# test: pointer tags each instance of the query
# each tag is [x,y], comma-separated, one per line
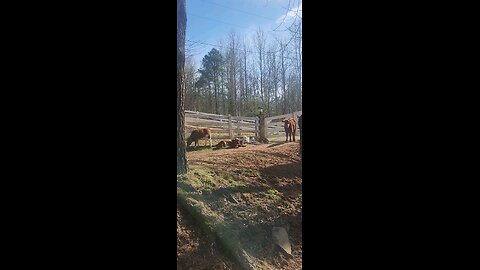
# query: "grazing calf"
[197,134]
[290,126]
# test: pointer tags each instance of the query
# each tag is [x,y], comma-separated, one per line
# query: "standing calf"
[290,126]
[198,134]
[301,133]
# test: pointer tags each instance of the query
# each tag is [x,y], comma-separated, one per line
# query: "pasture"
[230,201]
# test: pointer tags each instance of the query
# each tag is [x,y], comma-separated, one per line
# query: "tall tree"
[232,67]
[283,75]
[212,70]
[260,42]
[190,92]
[182,166]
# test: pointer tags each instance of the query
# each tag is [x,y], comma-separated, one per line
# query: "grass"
[205,179]
[236,207]
[227,234]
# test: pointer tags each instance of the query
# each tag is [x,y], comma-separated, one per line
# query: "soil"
[195,250]
[270,196]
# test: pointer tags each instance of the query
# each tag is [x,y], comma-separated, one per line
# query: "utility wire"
[208,18]
[239,10]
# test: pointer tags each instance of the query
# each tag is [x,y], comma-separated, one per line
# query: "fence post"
[230,132]
[257,128]
[263,128]
[238,130]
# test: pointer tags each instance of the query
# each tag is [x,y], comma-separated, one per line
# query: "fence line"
[227,127]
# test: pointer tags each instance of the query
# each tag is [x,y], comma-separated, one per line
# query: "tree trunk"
[182,165]
[215,83]
[284,88]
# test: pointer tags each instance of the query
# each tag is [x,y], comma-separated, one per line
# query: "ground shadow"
[193,257]
[289,170]
[276,144]
[198,148]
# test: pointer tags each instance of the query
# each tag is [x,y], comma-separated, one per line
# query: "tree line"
[242,75]
[239,78]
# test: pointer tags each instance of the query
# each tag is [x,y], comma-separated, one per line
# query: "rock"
[232,199]
[280,237]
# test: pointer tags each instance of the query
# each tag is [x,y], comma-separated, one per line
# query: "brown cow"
[290,126]
[221,144]
[198,134]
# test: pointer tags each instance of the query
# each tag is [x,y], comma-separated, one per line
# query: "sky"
[209,21]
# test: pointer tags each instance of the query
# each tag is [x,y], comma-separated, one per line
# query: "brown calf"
[198,134]
[290,126]
[235,143]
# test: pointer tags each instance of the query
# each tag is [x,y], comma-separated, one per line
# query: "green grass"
[202,178]
[210,221]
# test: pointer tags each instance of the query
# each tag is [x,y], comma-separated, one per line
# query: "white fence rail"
[275,125]
[222,126]
[227,127]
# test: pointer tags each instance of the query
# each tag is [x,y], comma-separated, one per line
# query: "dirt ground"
[195,250]
[268,194]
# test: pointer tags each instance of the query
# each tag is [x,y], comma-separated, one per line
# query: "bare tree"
[260,43]
[190,91]
[283,74]
[232,70]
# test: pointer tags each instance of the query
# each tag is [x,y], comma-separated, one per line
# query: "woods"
[243,73]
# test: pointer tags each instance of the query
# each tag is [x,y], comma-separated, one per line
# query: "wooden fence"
[227,127]
[223,126]
[275,125]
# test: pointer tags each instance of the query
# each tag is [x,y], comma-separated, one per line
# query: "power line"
[284,17]
[203,17]
[235,25]
[239,10]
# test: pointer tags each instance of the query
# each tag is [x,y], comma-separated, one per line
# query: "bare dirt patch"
[195,250]
[254,189]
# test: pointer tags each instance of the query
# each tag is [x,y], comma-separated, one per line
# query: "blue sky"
[209,21]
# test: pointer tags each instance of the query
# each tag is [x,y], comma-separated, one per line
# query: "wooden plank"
[244,118]
[243,122]
[283,116]
[244,130]
[280,124]
[221,131]
[218,118]
[212,114]
[205,123]
[234,131]
[192,121]
[203,115]
[206,116]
